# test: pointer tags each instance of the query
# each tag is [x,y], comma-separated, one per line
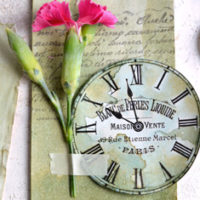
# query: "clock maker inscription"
[149,123]
[145,116]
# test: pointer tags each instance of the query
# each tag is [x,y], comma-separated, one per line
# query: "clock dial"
[145,117]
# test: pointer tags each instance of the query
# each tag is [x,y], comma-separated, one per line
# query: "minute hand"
[118,115]
[130,94]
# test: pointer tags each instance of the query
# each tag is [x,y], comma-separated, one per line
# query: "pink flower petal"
[39,24]
[53,14]
[92,13]
[108,19]
[65,13]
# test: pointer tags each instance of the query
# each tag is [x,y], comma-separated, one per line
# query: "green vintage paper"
[145,29]
[9,80]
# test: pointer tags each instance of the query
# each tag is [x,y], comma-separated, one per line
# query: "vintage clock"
[145,116]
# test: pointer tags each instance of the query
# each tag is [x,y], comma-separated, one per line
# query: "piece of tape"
[83,164]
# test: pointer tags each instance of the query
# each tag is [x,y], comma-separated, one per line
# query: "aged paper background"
[145,29]
[9,80]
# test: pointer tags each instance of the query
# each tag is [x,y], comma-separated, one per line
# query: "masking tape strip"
[83,164]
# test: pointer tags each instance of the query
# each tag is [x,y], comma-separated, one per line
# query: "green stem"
[67,128]
[69,111]
[71,177]
[56,104]
[70,135]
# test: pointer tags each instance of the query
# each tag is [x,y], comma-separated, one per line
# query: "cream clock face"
[145,117]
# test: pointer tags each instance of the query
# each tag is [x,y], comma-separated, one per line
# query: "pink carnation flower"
[57,13]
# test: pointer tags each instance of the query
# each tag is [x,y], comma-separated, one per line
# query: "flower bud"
[88,33]
[72,60]
[25,57]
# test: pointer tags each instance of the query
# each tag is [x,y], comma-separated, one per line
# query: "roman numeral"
[161,80]
[180,96]
[166,173]
[91,128]
[109,80]
[112,172]
[187,122]
[137,74]
[138,179]
[96,149]
[85,98]
[182,150]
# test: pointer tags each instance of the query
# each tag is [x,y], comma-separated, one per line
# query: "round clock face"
[145,117]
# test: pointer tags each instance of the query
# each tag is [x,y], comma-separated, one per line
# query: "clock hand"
[137,126]
[118,115]
[130,94]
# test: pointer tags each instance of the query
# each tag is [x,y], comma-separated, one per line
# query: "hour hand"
[118,115]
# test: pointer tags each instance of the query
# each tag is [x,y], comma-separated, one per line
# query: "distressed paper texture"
[9,80]
[145,29]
